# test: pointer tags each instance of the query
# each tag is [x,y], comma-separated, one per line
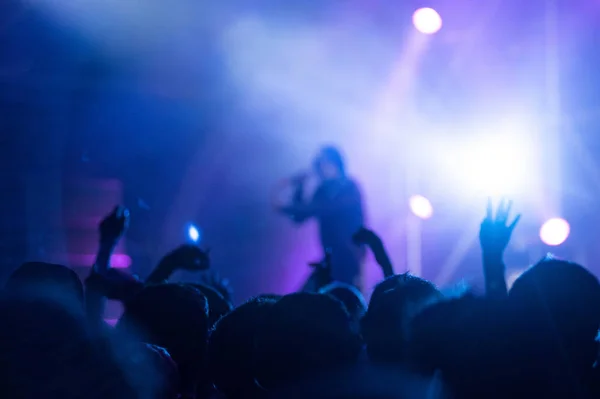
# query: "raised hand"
[494,237]
[114,225]
[111,229]
[496,231]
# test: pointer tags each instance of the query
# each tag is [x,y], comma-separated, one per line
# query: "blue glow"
[194,233]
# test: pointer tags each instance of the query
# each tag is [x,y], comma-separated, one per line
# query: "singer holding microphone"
[336,204]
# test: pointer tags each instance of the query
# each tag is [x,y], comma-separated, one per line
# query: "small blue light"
[194,233]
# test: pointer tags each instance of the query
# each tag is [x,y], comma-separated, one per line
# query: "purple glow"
[111,322]
[421,206]
[555,231]
[427,21]
[118,261]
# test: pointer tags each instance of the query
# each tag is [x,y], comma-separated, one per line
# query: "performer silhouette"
[337,206]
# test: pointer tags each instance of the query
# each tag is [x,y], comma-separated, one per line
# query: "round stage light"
[427,21]
[421,206]
[555,231]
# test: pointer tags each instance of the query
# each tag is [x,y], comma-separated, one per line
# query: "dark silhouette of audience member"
[152,369]
[304,335]
[350,296]
[464,341]
[48,279]
[174,317]
[231,350]
[221,285]
[556,307]
[395,302]
[366,382]
[217,305]
[537,340]
[46,351]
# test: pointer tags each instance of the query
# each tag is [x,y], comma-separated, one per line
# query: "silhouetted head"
[47,279]
[48,351]
[304,335]
[562,299]
[329,163]
[231,349]
[400,280]
[394,303]
[174,317]
[217,305]
[273,297]
[350,296]
[465,341]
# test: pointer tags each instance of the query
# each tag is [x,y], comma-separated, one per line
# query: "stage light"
[421,206]
[555,231]
[193,233]
[427,21]
[489,165]
[485,171]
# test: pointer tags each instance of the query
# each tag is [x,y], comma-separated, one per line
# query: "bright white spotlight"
[193,234]
[421,206]
[427,21]
[487,172]
[491,165]
[555,231]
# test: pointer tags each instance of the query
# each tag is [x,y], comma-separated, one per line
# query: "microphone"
[294,182]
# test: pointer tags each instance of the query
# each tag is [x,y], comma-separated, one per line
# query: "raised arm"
[186,257]
[326,200]
[374,242]
[111,230]
[299,210]
[494,237]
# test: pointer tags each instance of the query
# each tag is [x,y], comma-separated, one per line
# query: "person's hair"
[174,317]
[393,305]
[273,297]
[350,296]
[41,278]
[231,348]
[218,306]
[304,334]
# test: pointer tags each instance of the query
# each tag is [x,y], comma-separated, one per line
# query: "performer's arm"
[300,211]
